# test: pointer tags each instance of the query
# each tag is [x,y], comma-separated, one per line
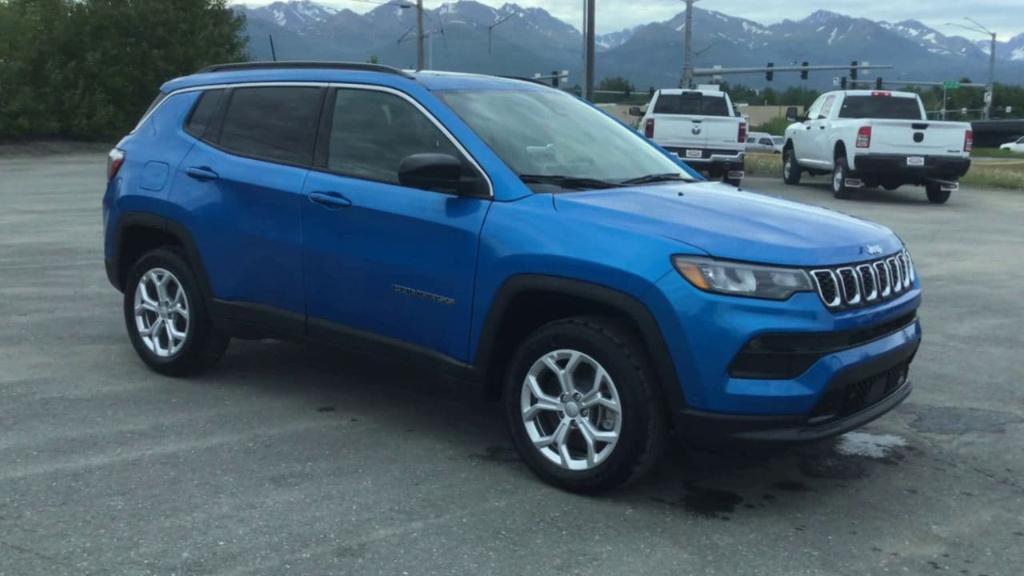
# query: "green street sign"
[950,84]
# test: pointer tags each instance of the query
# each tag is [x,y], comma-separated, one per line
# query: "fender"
[626,304]
[129,220]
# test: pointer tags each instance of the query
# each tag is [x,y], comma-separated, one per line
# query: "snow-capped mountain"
[511,39]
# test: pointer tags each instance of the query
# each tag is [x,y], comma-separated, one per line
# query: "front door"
[381,258]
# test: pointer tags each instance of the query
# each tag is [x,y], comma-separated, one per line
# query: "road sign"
[950,84]
[835,80]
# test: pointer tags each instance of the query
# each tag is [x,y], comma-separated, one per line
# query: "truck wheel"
[582,406]
[166,316]
[790,167]
[936,195]
[839,174]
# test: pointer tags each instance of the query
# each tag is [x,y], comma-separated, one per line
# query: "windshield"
[884,107]
[550,133]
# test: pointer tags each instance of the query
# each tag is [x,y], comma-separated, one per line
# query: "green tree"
[616,84]
[89,68]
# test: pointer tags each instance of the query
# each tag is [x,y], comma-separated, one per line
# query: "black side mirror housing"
[792,115]
[636,111]
[438,173]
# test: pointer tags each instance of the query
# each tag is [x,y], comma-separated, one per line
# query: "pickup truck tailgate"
[911,136]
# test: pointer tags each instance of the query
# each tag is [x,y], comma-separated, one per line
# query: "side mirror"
[792,115]
[431,171]
[636,111]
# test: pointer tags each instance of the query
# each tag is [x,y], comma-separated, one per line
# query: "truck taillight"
[968,140]
[114,161]
[649,128]
[864,137]
[741,137]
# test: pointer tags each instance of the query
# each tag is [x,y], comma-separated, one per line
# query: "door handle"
[330,200]
[201,173]
[807,127]
[822,127]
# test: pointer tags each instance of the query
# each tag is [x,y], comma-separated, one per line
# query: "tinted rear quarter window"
[203,112]
[693,103]
[276,123]
[885,107]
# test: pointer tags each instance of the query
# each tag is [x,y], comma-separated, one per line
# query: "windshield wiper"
[568,181]
[650,178]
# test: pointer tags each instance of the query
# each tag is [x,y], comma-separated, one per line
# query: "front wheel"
[790,167]
[936,194]
[581,405]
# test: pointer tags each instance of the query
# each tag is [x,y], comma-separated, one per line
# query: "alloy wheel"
[161,312]
[571,410]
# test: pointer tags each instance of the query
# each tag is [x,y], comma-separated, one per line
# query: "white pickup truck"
[870,138]
[701,127]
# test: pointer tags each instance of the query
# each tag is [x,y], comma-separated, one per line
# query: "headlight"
[740,279]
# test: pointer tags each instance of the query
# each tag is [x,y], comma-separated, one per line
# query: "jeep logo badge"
[873,249]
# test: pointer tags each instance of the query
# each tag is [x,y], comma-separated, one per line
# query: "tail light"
[114,161]
[864,137]
[968,140]
[649,128]
[741,136]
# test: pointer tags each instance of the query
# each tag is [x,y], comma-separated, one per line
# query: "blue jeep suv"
[512,235]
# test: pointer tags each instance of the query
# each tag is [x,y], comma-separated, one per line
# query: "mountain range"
[519,41]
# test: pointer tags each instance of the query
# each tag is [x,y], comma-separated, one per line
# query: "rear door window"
[885,107]
[275,123]
[692,103]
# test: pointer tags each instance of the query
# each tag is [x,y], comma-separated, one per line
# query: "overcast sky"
[1003,16]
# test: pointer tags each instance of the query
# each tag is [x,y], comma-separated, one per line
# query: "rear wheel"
[581,405]
[839,174]
[167,318]
[936,195]
[790,167]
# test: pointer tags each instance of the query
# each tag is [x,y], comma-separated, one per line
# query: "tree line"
[88,69]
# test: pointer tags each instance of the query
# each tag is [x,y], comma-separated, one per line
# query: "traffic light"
[803,73]
[853,70]
[878,83]
[770,74]
[842,83]
[554,78]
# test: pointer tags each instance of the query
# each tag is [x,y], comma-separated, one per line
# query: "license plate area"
[694,153]
[915,160]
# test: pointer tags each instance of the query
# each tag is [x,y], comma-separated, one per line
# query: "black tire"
[791,170]
[203,345]
[643,424]
[936,195]
[839,174]
[732,182]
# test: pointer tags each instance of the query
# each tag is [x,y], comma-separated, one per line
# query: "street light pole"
[977,27]
[419,34]
[688,46]
[589,25]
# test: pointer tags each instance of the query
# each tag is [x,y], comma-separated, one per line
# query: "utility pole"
[419,34]
[273,52]
[589,25]
[688,46]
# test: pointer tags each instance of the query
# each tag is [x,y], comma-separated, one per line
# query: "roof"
[676,91]
[893,93]
[359,73]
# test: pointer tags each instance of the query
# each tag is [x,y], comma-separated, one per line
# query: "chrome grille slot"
[828,287]
[894,274]
[882,274]
[868,284]
[850,285]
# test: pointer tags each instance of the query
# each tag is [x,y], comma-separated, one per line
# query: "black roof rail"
[364,66]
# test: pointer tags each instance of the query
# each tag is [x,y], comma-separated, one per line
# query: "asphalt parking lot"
[286,460]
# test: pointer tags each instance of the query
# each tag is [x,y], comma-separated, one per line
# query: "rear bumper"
[709,156]
[880,384]
[938,167]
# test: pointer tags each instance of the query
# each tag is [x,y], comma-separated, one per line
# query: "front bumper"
[934,167]
[706,333]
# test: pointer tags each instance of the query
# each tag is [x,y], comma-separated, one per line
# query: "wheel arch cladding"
[526,302]
[140,232]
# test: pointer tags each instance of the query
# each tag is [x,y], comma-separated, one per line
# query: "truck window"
[886,107]
[693,103]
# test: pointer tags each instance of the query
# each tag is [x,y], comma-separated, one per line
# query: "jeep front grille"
[864,284]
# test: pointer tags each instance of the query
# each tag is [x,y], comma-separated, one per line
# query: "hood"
[731,224]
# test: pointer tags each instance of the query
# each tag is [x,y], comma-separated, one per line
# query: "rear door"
[382,258]
[240,188]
